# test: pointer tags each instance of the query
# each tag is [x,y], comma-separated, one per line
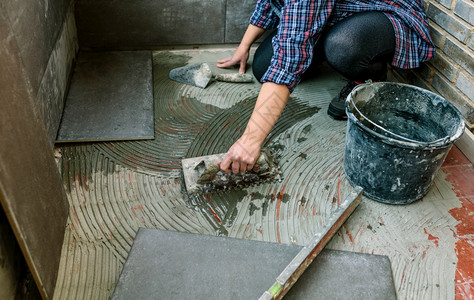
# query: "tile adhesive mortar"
[116,187]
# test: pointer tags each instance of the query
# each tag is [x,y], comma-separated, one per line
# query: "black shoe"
[336,108]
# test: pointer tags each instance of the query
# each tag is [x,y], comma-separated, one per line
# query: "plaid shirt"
[300,23]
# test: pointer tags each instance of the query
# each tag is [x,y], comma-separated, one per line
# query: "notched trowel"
[200,75]
[203,174]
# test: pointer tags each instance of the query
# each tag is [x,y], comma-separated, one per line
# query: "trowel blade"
[197,74]
[194,167]
[202,174]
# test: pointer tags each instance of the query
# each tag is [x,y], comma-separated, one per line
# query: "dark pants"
[359,47]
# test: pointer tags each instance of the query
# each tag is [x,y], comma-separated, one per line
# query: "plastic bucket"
[398,136]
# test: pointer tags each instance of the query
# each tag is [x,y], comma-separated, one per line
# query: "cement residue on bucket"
[397,138]
[408,112]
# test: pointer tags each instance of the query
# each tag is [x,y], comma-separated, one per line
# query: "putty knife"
[203,174]
[200,75]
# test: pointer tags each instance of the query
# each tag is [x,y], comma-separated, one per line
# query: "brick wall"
[451,72]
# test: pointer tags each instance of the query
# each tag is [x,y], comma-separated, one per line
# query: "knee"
[342,51]
[259,67]
[263,56]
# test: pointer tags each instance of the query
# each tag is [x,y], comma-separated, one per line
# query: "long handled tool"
[304,258]
[200,75]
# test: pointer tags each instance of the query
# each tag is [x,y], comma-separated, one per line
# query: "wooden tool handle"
[306,256]
[234,77]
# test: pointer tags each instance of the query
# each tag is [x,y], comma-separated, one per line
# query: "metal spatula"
[200,75]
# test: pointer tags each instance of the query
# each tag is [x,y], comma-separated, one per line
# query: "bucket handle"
[441,141]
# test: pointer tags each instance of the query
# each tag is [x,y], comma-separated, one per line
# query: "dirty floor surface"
[116,187]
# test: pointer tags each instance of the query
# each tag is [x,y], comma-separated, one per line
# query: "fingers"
[225,164]
[226,62]
[240,158]
[236,167]
[242,67]
[243,167]
[231,61]
[225,65]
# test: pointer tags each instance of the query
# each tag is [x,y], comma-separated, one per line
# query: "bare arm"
[243,154]
[242,53]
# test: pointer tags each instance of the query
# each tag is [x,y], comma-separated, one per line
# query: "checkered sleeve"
[300,26]
[263,15]
[413,43]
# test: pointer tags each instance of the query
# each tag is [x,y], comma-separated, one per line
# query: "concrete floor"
[116,187]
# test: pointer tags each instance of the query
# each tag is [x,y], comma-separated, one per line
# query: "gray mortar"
[116,188]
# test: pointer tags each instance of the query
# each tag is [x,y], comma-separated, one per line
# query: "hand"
[240,57]
[241,157]
[244,153]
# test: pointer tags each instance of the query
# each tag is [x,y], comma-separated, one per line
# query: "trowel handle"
[234,77]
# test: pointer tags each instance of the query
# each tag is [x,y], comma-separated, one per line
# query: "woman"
[356,37]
